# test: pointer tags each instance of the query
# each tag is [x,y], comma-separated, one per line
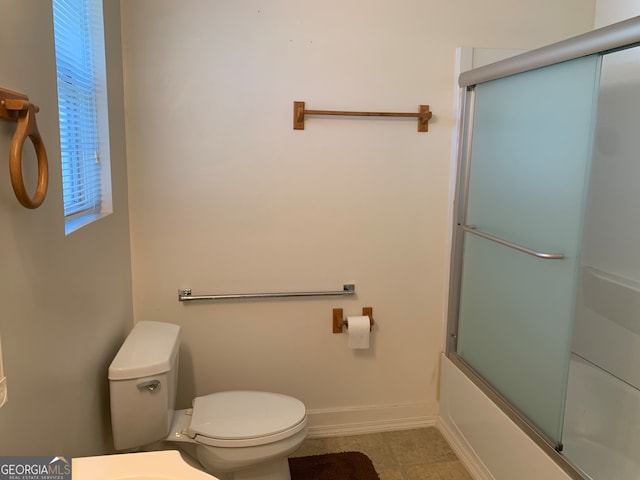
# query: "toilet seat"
[245,418]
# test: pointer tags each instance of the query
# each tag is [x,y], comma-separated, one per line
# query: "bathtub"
[601,431]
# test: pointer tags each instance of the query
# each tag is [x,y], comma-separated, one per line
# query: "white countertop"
[161,465]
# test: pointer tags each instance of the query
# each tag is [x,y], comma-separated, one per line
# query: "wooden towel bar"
[299,112]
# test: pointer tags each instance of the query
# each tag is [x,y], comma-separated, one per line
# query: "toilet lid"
[244,415]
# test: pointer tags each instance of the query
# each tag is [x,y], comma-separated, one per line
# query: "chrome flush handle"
[150,385]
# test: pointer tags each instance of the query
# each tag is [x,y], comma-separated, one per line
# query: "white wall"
[65,302]
[226,197]
[611,11]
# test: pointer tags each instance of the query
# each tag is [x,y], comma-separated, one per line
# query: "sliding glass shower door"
[520,211]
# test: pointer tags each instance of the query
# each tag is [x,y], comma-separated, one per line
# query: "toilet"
[236,435]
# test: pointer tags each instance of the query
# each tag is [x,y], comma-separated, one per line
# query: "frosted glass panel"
[602,421]
[530,156]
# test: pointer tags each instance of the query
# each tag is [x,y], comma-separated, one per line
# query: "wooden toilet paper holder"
[339,321]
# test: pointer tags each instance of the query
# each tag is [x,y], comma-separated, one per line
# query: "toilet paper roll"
[359,331]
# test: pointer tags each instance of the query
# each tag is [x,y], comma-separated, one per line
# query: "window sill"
[76,223]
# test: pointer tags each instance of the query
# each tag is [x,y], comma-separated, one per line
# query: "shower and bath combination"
[545,274]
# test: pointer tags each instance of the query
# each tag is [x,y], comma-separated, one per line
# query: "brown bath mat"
[333,466]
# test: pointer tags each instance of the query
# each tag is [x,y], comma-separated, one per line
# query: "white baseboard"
[370,419]
[467,456]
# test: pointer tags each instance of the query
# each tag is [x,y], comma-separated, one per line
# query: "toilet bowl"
[237,435]
[242,434]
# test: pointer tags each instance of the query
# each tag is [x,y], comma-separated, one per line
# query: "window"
[82,109]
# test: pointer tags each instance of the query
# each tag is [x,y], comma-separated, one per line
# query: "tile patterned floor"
[419,454]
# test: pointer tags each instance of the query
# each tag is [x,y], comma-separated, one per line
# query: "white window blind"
[80,65]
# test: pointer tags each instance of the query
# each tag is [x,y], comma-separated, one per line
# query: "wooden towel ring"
[18,108]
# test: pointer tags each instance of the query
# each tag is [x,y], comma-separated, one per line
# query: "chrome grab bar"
[543,255]
[185,295]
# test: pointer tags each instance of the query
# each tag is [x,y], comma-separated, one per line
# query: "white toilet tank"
[142,384]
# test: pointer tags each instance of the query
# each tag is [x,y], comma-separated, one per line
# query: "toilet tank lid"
[149,349]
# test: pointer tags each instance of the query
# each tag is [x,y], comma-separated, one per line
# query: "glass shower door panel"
[530,156]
